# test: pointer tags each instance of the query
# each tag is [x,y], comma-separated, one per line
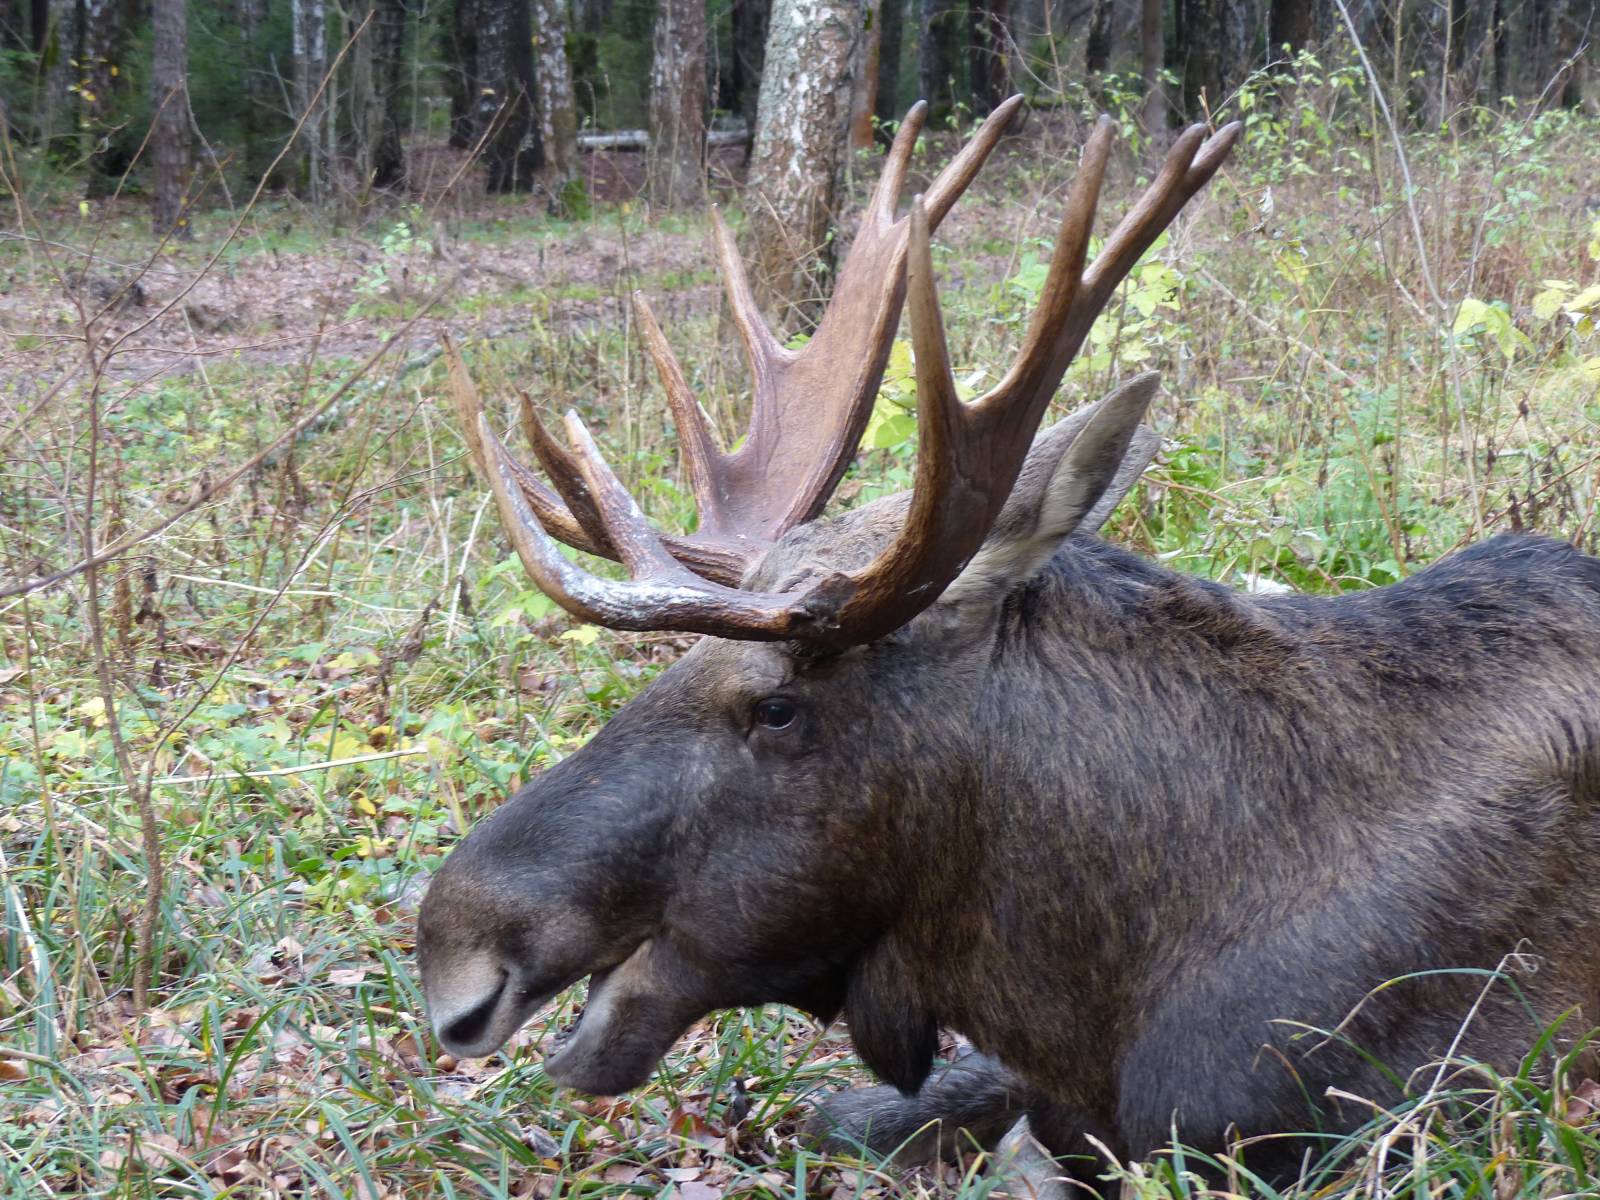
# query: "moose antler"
[809,411]
[809,405]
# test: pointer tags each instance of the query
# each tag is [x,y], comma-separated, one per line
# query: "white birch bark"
[558,111]
[801,128]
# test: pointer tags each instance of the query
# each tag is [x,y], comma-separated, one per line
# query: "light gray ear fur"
[1077,472]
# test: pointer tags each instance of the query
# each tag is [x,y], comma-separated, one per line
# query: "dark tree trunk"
[864,78]
[1290,25]
[377,89]
[990,53]
[1201,51]
[1574,22]
[506,119]
[101,71]
[38,24]
[937,63]
[1431,34]
[252,15]
[892,17]
[1152,52]
[389,46]
[13,29]
[678,103]
[749,52]
[169,102]
[1502,76]
[1537,53]
[1097,46]
[462,75]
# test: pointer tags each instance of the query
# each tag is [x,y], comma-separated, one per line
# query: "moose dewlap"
[948,760]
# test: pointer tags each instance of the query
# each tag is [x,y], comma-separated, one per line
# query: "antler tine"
[1063,283]
[696,443]
[886,196]
[555,515]
[693,605]
[908,575]
[762,349]
[630,532]
[568,479]
[958,175]
[969,455]
[1187,168]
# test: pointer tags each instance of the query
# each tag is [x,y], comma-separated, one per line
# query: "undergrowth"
[335,667]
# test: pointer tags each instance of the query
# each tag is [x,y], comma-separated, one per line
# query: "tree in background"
[678,103]
[1290,23]
[938,56]
[513,153]
[801,133]
[104,28]
[309,21]
[749,20]
[891,21]
[461,78]
[558,111]
[379,62]
[1152,51]
[169,97]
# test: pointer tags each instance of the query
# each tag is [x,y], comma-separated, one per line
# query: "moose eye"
[775,713]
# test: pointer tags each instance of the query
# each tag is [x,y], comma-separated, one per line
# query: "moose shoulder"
[948,760]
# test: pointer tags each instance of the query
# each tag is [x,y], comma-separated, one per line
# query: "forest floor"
[335,666]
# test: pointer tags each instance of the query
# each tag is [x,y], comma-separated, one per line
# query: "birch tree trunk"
[558,112]
[309,20]
[678,103]
[512,150]
[169,101]
[800,145]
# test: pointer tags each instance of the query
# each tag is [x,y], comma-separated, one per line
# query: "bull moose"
[1170,856]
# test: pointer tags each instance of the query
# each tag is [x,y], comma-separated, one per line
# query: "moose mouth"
[633,1014]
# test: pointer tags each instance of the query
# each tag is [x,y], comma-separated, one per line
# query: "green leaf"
[1472,312]
[1548,303]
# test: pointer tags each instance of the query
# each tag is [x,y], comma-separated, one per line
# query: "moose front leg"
[970,1103]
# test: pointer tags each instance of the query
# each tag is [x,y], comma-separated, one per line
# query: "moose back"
[948,760]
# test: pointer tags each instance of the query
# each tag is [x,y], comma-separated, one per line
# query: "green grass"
[1328,428]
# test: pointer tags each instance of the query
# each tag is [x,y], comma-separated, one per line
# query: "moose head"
[749,828]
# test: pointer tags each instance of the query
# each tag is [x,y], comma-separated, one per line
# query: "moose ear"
[1077,472]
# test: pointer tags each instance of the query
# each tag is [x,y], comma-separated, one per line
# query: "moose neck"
[1116,696]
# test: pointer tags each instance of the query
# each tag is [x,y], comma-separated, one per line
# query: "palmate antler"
[809,410]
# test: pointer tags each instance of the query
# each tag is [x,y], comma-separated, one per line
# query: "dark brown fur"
[1131,833]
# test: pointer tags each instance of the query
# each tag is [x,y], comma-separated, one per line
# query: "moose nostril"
[468,1028]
